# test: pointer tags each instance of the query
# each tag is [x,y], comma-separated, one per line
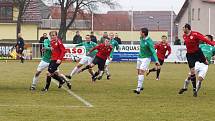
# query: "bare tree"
[78,5]
[22,5]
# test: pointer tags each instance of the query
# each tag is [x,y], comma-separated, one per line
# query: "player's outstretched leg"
[186,83]
[158,74]
[59,79]
[193,80]
[35,80]
[199,83]
[150,70]
[68,83]
[48,82]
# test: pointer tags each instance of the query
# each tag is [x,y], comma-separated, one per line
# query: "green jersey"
[47,53]
[114,45]
[88,46]
[147,49]
[208,51]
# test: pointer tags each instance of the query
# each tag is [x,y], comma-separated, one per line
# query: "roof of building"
[45,10]
[185,6]
[32,13]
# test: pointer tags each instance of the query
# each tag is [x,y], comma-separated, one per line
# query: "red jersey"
[192,41]
[58,50]
[103,51]
[161,50]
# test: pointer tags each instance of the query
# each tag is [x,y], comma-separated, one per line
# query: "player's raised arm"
[202,38]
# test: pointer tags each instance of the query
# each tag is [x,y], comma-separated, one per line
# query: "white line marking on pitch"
[65,106]
[75,95]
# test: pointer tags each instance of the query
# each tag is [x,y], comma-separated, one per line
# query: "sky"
[151,5]
[143,5]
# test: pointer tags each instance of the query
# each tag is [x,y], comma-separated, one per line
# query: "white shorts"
[201,69]
[43,65]
[143,63]
[108,61]
[86,60]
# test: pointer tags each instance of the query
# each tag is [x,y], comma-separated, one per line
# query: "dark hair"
[210,36]
[55,32]
[164,36]
[187,26]
[87,35]
[145,31]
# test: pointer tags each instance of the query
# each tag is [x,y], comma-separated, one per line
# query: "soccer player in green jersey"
[86,60]
[201,68]
[114,45]
[146,52]
[44,63]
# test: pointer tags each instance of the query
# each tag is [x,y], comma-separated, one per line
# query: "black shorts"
[20,50]
[100,62]
[160,61]
[192,58]
[53,66]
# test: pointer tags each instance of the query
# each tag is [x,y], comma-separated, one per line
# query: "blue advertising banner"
[127,53]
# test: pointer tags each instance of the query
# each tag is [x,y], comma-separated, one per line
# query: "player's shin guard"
[193,80]
[48,82]
[158,72]
[198,86]
[140,82]
[107,71]
[34,81]
[186,83]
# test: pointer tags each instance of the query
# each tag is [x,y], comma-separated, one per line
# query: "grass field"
[112,100]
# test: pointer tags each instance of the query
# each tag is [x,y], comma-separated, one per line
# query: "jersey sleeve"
[169,49]
[80,44]
[117,45]
[213,51]
[202,38]
[152,49]
[47,44]
[156,46]
[63,50]
[95,48]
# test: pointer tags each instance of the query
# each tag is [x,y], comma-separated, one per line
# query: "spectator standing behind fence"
[93,38]
[77,38]
[20,47]
[177,41]
[117,38]
[41,41]
[105,36]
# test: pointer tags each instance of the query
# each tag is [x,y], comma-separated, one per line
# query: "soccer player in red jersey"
[194,53]
[102,55]
[58,51]
[161,47]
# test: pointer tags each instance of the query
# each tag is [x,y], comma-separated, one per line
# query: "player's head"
[44,35]
[164,39]
[77,33]
[116,35]
[91,33]
[107,42]
[111,36]
[144,32]
[87,37]
[187,28]
[105,34]
[53,34]
[19,34]
[209,37]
